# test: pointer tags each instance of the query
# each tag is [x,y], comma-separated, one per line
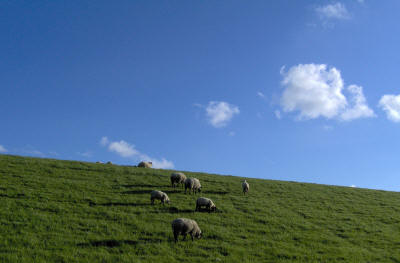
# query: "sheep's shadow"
[140,185]
[215,192]
[135,192]
[117,243]
[172,210]
[123,204]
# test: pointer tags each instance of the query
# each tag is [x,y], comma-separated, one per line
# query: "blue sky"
[288,90]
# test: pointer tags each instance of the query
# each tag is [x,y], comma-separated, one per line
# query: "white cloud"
[260,94]
[3,149]
[220,113]
[104,141]
[391,105]
[316,91]
[353,186]
[333,11]
[360,108]
[122,148]
[126,150]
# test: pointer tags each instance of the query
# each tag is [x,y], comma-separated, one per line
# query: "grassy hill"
[64,211]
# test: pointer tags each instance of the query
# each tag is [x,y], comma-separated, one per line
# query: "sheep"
[109,162]
[163,197]
[184,226]
[193,184]
[245,187]
[145,164]
[177,178]
[208,203]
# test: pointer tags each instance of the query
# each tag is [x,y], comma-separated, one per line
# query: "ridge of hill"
[71,211]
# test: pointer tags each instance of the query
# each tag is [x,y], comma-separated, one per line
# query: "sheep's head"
[199,235]
[214,208]
[199,189]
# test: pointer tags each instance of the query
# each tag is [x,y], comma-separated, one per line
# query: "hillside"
[65,211]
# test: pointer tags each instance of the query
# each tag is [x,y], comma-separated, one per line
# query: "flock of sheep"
[184,226]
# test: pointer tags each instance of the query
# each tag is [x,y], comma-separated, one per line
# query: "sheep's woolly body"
[193,184]
[163,197]
[177,178]
[184,226]
[208,203]
[145,164]
[245,187]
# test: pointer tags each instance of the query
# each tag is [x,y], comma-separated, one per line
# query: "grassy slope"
[64,211]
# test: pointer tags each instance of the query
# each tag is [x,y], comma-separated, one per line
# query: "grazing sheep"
[177,178]
[193,184]
[245,187]
[163,197]
[184,226]
[145,164]
[109,162]
[208,203]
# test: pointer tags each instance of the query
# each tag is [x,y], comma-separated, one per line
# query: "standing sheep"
[193,184]
[163,197]
[177,178]
[208,203]
[145,164]
[184,226]
[245,187]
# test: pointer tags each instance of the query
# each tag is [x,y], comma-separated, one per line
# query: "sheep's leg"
[192,237]
[197,208]
[152,201]
[176,236]
[184,237]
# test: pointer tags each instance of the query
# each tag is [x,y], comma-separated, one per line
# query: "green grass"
[64,211]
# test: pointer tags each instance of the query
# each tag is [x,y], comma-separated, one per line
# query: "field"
[68,211]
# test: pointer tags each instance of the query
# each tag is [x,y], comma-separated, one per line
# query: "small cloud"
[277,114]
[104,141]
[86,154]
[122,148]
[391,105]
[219,113]
[353,185]
[3,149]
[231,133]
[333,11]
[198,105]
[127,150]
[260,94]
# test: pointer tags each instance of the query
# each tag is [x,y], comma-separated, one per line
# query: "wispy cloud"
[127,150]
[219,113]
[231,133]
[314,90]
[3,149]
[391,105]
[333,11]
[260,94]
[86,154]
[277,114]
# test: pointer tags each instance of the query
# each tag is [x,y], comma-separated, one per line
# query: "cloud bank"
[314,90]
[127,150]
[3,149]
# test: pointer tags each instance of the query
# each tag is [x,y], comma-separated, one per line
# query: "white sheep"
[184,226]
[207,203]
[193,184]
[163,197]
[145,164]
[245,187]
[177,178]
